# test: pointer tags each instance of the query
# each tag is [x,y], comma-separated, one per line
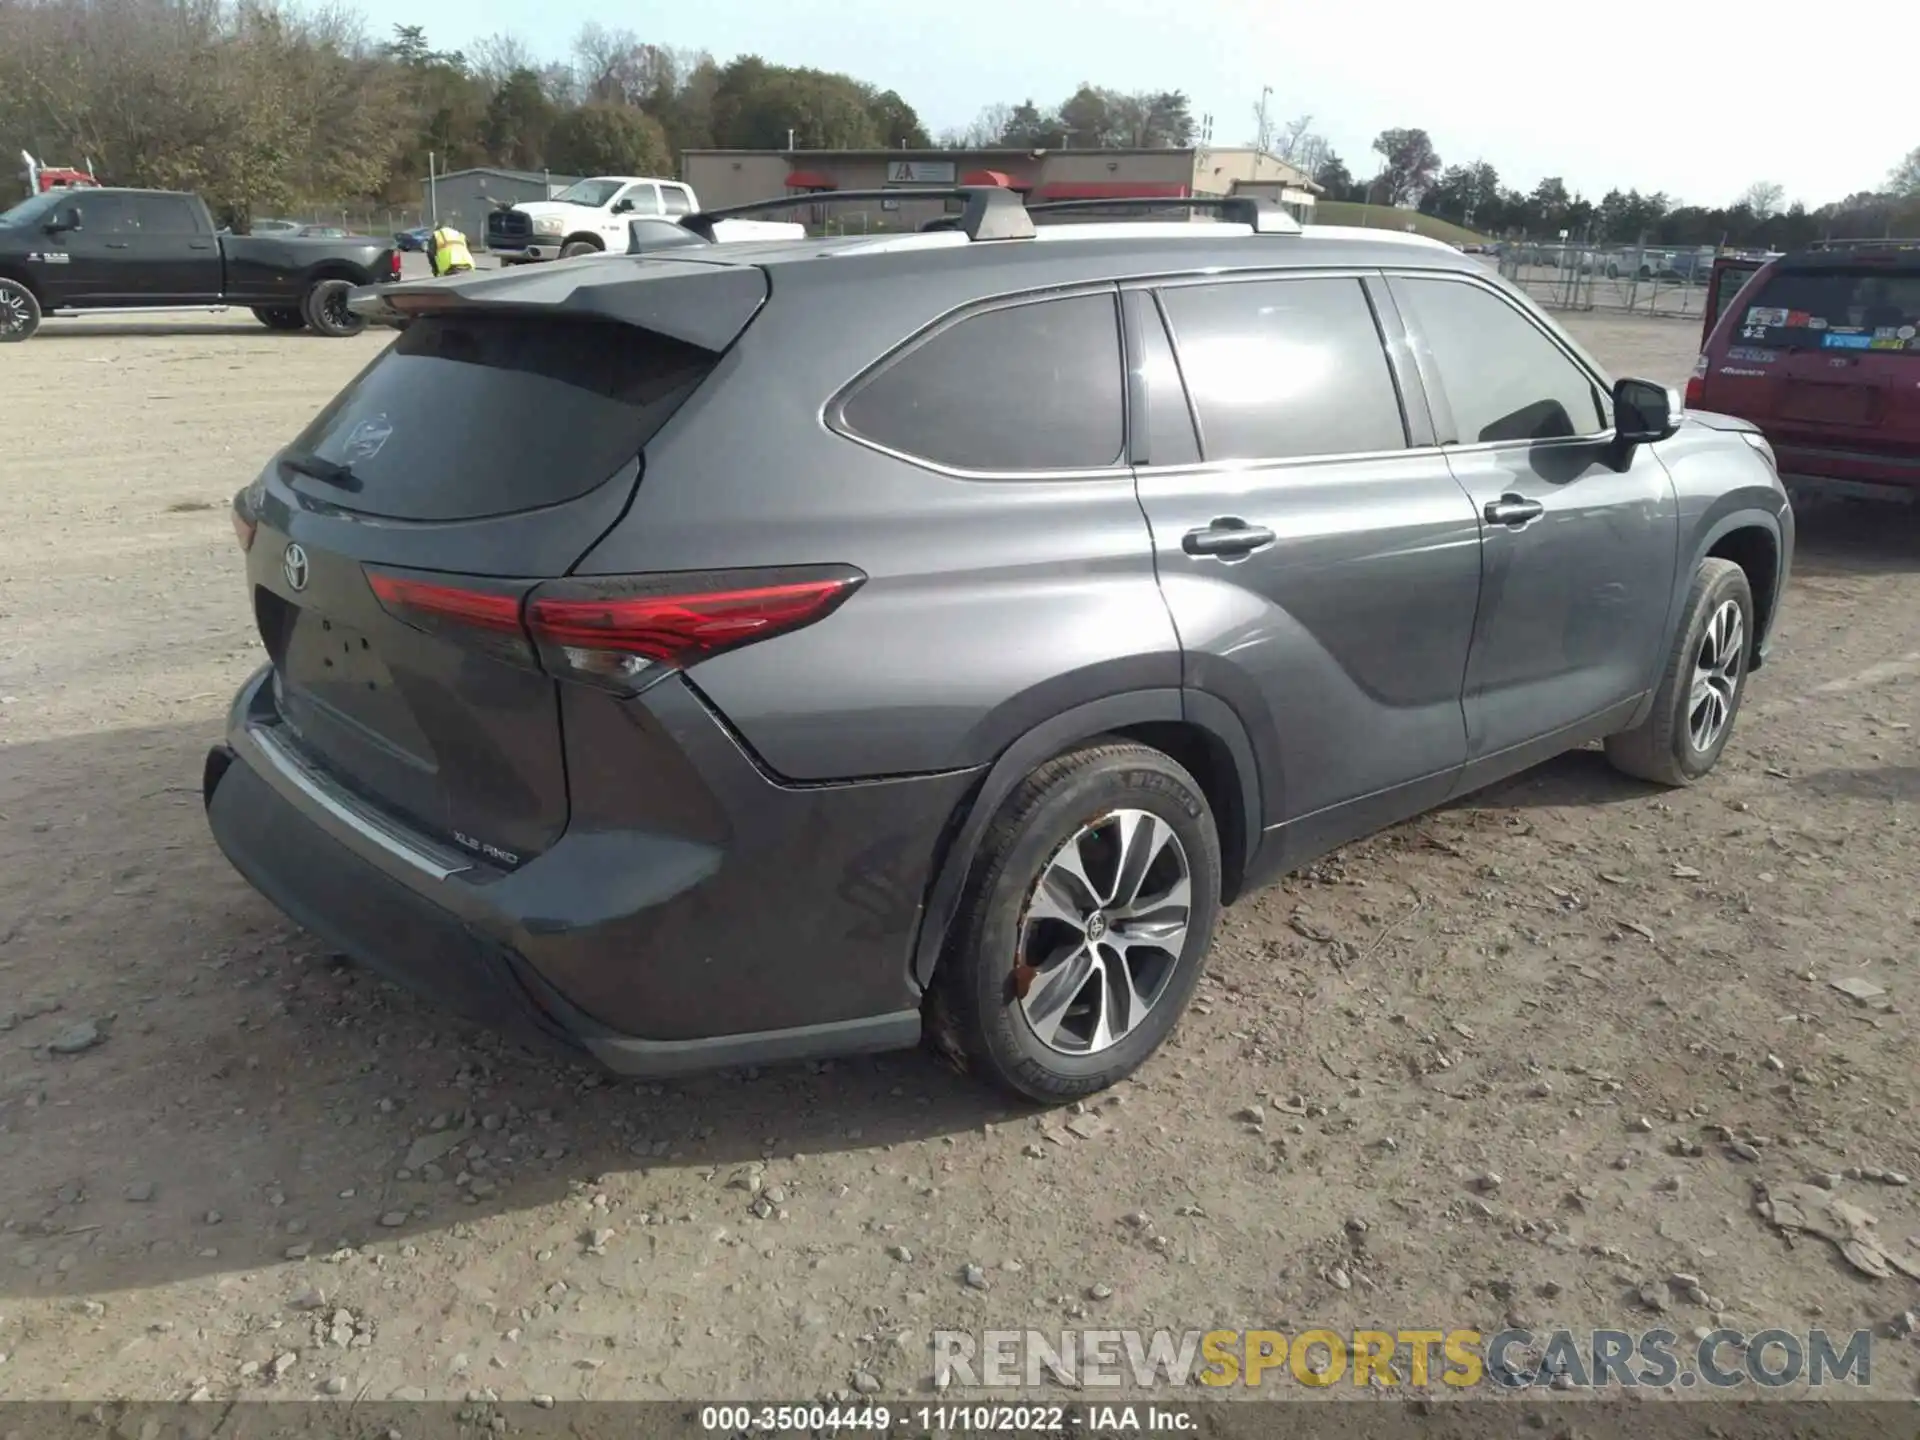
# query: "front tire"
[324,307]
[1085,925]
[279,318]
[19,312]
[1701,687]
[579,247]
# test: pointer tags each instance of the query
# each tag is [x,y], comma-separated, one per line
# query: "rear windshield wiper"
[329,472]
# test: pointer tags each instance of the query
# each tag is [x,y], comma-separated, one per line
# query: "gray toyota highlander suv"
[737,652]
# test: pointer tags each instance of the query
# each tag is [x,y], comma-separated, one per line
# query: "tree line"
[1410,174]
[265,105]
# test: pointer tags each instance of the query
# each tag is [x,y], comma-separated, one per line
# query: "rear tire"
[1052,990]
[1701,687]
[19,312]
[280,318]
[324,308]
[580,247]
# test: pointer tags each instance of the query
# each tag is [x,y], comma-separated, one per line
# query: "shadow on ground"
[250,1097]
[65,328]
[1855,537]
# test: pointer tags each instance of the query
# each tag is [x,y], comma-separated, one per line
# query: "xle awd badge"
[294,565]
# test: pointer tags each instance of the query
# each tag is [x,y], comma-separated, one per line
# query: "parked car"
[586,218]
[414,239]
[1821,350]
[767,650]
[1642,264]
[272,227]
[94,250]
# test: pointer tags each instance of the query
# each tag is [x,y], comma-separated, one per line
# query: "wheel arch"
[333,270]
[1199,731]
[20,277]
[1751,540]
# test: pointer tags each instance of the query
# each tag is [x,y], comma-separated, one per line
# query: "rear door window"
[640,200]
[1280,369]
[470,416]
[1835,308]
[1032,386]
[162,215]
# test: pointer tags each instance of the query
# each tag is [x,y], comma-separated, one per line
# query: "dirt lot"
[1566,984]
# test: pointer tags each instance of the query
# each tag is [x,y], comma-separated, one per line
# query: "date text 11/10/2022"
[955,1419]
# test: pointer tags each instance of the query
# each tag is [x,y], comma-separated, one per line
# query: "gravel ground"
[1468,1072]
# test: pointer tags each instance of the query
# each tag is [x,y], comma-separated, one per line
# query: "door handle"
[116,244]
[199,244]
[1227,538]
[1515,510]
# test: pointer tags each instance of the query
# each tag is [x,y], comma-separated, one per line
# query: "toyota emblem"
[294,564]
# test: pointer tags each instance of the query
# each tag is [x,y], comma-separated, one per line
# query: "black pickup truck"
[94,250]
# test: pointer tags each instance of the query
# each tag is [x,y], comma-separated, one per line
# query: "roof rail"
[992,212]
[1256,212]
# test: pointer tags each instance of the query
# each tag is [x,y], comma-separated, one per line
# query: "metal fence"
[1630,279]
[378,221]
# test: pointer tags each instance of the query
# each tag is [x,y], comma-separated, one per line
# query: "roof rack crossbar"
[1256,212]
[992,212]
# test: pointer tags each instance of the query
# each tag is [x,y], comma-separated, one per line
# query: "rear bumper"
[642,949]
[1843,470]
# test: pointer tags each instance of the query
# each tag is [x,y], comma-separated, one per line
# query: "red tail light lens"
[393,264]
[617,631]
[243,528]
[487,619]
[620,631]
[1697,383]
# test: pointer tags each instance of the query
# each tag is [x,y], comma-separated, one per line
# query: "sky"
[1603,95]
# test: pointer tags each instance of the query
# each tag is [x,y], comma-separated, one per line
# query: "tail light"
[245,513]
[393,264]
[618,632]
[1697,383]
[477,614]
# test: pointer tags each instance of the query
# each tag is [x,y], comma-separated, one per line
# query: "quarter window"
[1501,375]
[1285,368]
[1034,386]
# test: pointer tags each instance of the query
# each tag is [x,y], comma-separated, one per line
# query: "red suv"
[1821,350]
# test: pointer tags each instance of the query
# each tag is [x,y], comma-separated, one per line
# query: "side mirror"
[621,207]
[1643,412]
[67,219]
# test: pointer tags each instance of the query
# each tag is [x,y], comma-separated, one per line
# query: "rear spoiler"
[706,306]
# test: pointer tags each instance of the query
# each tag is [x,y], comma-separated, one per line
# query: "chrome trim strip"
[346,811]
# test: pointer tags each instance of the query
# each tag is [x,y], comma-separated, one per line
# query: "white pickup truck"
[593,216]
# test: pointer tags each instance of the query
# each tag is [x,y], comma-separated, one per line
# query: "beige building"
[733,177]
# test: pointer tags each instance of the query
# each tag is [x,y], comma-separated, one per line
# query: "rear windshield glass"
[470,416]
[1836,309]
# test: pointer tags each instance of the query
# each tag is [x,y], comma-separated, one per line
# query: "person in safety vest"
[447,251]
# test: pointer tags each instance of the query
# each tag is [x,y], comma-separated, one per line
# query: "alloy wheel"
[13,312]
[1103,932]
[333,304]
[1716,676]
